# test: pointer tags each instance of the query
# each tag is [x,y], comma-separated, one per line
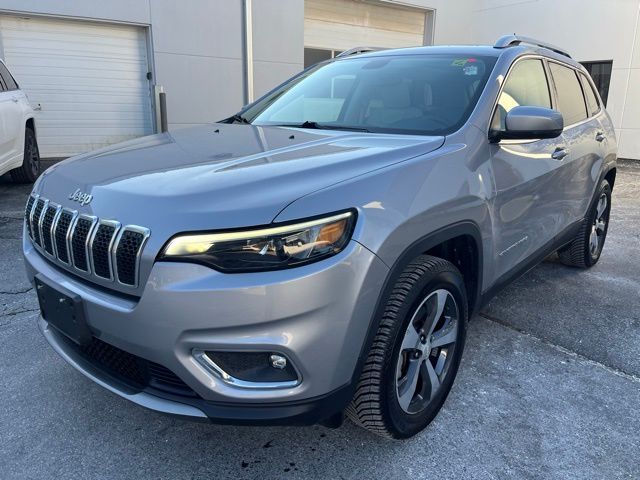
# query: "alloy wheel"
[599,227]
[32,155]
[427,350]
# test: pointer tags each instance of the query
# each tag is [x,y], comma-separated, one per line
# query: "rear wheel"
[416,351]
[585,250]
[30,169]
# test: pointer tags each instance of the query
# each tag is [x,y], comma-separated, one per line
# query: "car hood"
[219,176]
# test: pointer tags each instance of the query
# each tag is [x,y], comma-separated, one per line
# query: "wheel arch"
[31,123]
[610,176]
[446,241]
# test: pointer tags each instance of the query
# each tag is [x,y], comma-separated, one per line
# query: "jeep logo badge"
[80,197]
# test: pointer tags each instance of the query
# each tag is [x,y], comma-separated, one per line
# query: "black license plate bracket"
[63,310]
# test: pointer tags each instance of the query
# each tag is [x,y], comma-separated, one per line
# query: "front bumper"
[317,315]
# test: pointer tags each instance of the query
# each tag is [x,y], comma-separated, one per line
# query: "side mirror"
[530,123]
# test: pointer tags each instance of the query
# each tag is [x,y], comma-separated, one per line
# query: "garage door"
[338,25]
[89,79]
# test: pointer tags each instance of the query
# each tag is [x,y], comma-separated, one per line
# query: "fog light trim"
[211,367]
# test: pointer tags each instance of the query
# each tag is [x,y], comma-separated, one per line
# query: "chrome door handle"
[559,153]
[600,137]
[14,99]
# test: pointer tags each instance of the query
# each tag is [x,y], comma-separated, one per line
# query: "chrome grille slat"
[61,236]
[101,244]
[91,247]
[31,212]
[80,235]
[27,214]
[35,220]
[48,216]
[130,241]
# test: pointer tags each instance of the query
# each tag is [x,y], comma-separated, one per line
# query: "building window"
[601,74]
[316,55]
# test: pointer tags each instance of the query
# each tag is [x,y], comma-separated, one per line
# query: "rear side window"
[570,100]
[7,79]
[526,85]
[592,101]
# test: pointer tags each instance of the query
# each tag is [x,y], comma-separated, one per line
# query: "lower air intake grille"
[115,361]
[132,369]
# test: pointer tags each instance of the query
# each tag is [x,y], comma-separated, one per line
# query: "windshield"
[416,94]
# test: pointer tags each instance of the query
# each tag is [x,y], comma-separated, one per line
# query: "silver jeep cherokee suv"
[321,252]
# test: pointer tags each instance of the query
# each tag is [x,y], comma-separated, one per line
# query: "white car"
[18,146]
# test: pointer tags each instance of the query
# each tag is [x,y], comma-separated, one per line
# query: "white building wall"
[198,51]
[197,46]
[452,19]
[278,42]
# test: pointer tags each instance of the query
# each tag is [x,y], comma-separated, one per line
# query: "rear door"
[581,133]
[529,208]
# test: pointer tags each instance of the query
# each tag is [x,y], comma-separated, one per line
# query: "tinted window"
[570,100]
[526,85]
[432,95]
[592,102]
[7,78]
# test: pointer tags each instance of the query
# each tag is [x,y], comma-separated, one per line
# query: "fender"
[420,246]
[603,174]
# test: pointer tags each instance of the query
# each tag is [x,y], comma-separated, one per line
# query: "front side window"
[570,100]
[421,94]
[526,85]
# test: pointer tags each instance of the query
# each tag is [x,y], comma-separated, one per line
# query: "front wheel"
[585,249]
[416,351]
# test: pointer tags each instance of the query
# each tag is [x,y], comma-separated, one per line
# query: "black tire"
[30,169]
[579,253]
[376,403]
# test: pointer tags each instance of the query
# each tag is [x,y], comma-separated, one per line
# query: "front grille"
[35,221]
[60,235]
[126,254]
[27,214]
[133,370]
[79,238]
[102,249]
[47,222]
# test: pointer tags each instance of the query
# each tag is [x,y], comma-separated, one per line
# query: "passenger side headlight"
[265,248]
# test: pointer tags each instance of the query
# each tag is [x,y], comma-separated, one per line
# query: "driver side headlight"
[265,248]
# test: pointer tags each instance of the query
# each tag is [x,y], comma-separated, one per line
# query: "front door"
[530,206]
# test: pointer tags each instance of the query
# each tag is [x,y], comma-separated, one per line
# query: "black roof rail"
[511,40]
[356,51]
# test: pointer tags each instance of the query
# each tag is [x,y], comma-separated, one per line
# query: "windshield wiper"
[325,126]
